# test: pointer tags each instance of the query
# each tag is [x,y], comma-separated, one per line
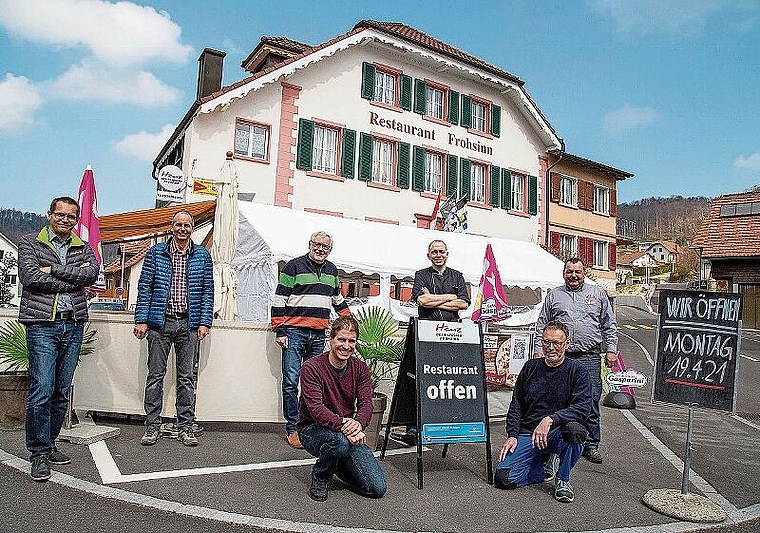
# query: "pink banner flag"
[491,302]
[88,227]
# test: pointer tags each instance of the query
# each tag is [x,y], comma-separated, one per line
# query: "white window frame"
[478,183]
[518,192]
[601,200]
[433,172]
[568,246]
[385,87]
[324,156]
[253,131]
[383,162]
[435,99]
[568,191]
[480,112]
[601,254]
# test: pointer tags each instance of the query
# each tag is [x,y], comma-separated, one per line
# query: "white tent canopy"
[269,234]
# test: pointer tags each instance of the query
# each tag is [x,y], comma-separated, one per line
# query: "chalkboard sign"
[698,339]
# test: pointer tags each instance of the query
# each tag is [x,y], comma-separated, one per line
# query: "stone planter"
[379,404]
[13,389]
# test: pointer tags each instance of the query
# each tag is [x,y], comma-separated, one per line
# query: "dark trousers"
[593,363]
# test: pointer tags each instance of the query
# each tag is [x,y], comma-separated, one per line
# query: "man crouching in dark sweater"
[335,407]
[550,403]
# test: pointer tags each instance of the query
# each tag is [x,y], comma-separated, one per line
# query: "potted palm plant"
[382,352]
[14,377]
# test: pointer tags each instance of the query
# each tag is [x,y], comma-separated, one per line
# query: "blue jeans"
[186,344]
[525,465]
[355,465]
[593,363]
[53,355]
[303,344]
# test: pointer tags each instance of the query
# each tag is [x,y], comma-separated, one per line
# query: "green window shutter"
[348,153]
[406,92]
[305,142]
[453,107]
[466,120]
[451,175]
[464,188]
[418,168]
[495,120]
[532,195]
[506,189]
[365,157]
[402,178]
[420,96]
[368,80]
[495,181]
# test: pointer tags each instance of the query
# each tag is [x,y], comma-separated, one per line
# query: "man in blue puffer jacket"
[175,305]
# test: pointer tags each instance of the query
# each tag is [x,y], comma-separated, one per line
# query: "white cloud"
[143,145]
[120,33]
[673,17]
[95,82]
[19,99]
[628,118]
[751,162]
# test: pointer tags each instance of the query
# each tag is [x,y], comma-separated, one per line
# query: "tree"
[7,263]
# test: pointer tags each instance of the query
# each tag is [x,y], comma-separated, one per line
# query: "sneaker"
[563,491]
[57,457]
[151,436]
[40,470]
[187,437]
[171,431]
[294,441]
[318,489]
[409,438]
[593,455]
[550,468]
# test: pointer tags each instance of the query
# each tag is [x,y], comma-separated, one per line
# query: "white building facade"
[372,125]
[7,248]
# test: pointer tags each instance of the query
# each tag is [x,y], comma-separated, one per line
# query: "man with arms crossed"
[175,306]
[551,400]
[587,312]
[307,291]
[334,409]
[54,268]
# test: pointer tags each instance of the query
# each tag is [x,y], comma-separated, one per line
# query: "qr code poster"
[519,353]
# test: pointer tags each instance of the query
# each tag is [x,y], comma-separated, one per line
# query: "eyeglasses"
[179,225]
[64,216]
[320,246]
[553,344]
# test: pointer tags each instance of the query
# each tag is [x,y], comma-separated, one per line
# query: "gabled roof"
[627,258]
[151,221]
[730,236]
[566,157]
[282,47]
[7,240]
[133,252]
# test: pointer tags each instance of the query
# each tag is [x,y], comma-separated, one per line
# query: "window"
[383,161]
[435,105]
[385,87]
[252,140]
[325,150]
[478,183]
[433,172]
[2,253]
[601,200]
[518,192]
[568,192]
[11,279]
[479,114]
[568,246]
[600,254]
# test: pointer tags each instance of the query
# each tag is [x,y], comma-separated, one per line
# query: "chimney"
[209,72]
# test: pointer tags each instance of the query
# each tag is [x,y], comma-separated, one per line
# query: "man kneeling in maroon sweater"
[334,408]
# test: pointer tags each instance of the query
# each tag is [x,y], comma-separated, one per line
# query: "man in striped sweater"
[308,289]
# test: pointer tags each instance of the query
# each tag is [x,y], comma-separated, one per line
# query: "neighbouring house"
[376,124]
[728,241]
[663,251]
[581,214]
[11,276]
[627,260]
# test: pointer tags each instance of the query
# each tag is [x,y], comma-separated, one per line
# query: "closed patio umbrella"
[225,241]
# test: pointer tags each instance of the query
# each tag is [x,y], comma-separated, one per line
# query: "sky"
[665,89]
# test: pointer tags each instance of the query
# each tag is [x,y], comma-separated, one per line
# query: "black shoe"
[187,437]
[318,489]
[592,455]
[40,468]
[407,439]
[57,457]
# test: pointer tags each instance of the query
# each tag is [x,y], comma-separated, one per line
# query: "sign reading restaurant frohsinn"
[698,341]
